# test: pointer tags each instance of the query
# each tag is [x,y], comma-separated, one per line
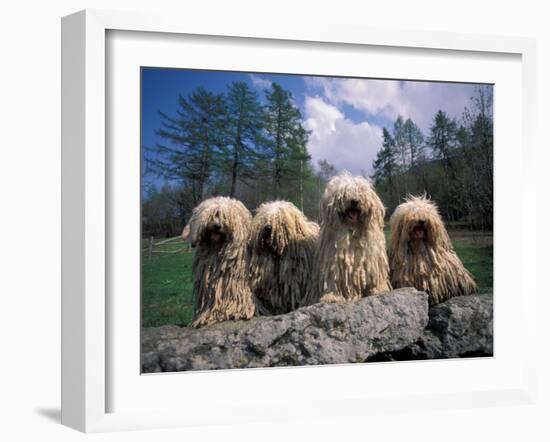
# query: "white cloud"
[347,145]
[259,82]
[373,96]
[421,100]
[389,98]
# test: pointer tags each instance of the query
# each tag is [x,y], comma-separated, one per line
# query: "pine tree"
[245,124]
[413,141]
[442,139]
[399,139]
[299,167]
[284,150]
[444,145]
[195,136]
[476,143]
[481,129]
[385,164]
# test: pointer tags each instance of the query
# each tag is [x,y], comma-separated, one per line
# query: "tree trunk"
[302,185]
[204,165]
[238,146]
[278,144]
[235,167]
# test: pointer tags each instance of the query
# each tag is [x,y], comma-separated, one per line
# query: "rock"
[460,327]
[389,327]
[318,334]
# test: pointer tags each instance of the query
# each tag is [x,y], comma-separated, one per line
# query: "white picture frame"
[86,315]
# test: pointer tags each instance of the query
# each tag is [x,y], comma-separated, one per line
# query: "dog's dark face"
[416,227]
[218,222]
[277,225]
[266,237]
[353,213]
[273,241]
[216,233]
[421,227]
[351,203]
[419,233]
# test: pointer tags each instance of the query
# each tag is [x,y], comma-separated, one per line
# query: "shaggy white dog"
[219,228]
[350,259]
[281,245]
[421,253]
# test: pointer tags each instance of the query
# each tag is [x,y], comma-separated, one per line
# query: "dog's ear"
[186,232]
[378,212]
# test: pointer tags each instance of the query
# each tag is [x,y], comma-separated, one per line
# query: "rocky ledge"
[397,325]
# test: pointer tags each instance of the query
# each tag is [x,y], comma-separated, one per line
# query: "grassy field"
[475,249]
[167,280]
[167,287]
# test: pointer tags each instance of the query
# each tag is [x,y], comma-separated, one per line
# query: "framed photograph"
[250,213]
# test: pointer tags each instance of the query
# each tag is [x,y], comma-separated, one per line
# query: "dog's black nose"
[354,203]
[421,222]
[267,229]
[216,227]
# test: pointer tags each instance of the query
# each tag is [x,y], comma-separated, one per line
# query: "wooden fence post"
[150,247]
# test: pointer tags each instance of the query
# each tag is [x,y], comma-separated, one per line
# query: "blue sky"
[345,116]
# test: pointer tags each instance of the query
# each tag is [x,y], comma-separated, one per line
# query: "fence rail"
[155,247]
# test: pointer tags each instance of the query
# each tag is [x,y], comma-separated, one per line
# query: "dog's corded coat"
[281,245]
[350,258]
[421,253]
[219,228]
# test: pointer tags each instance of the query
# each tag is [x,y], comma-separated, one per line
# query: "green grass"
[167,279]
[167,287]
[476,252]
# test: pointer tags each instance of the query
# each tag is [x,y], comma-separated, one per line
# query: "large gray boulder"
[392,326]
[461,327]
[318,334]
